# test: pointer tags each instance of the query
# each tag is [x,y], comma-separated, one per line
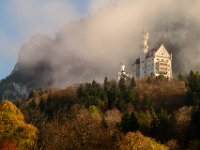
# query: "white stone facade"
[157,61]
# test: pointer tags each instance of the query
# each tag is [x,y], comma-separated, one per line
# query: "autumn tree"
[182,122]
[13,130]
[137,141]
[84,131]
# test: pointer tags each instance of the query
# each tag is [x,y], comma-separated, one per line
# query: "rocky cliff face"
[22,80]
[30,72]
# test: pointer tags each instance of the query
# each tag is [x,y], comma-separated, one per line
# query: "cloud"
[94,5]
[93,47]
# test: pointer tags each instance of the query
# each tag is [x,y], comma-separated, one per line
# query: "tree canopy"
[13,128]
[135,140]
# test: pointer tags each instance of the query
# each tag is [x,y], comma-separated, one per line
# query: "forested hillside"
[153,113]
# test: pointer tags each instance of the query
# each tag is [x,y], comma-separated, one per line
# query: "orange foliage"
[57,94]
[162,92]
[7,145]
[14,128]
[137,141]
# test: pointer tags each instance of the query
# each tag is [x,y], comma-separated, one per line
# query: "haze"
[93,47]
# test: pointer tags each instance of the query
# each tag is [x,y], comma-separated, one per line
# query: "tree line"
[112,115]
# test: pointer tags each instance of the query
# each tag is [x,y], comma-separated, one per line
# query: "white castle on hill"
[157,61]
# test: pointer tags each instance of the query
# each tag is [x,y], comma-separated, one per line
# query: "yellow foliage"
[137,141]
[14,128]
[94,111]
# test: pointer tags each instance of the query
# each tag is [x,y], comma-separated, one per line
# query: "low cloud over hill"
[93,47]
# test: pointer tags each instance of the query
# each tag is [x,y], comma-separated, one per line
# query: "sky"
[21,19]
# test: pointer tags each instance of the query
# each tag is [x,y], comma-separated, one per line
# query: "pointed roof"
[151,52]
[155,49]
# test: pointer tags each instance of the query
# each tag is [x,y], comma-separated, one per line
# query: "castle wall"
[162,63]
[142,66]
[149,66]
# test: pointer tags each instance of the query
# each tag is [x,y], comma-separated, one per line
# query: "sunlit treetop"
[13,127]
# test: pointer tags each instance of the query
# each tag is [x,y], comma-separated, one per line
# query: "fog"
[94,46]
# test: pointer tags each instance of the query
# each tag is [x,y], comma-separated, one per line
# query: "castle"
[157,61]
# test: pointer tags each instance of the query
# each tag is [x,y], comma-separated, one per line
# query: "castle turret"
[145,42]
[145,48]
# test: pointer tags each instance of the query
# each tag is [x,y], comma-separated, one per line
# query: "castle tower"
[145,42]
[145,48]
